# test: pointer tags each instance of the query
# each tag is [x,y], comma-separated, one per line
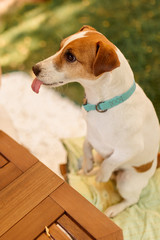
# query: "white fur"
[5,121]
[38,121]
[74,37]
[126,136]
[6,124]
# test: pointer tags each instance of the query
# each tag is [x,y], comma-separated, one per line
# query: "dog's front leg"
[105,171]
[88,157]
[115,161]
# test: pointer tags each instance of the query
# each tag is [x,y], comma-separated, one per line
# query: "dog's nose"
[36,69]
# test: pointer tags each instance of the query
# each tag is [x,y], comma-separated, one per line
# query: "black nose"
[36,69]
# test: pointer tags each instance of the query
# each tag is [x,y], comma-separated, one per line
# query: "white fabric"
[40,120]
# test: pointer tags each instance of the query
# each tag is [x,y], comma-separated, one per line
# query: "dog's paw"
[103,176]
[112,211]
[87,165]
[80,172]
[93,172]
[116,209]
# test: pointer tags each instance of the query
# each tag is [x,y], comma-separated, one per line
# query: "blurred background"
[32,30]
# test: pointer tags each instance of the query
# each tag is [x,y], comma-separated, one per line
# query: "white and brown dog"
[122,125]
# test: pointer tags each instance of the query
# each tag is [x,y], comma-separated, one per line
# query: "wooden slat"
[22,195]
[16,153]
[90,218]
[8,173]
[72,228]
[3,161]
[43,236]
[63,170]
[35,221]
[57,233]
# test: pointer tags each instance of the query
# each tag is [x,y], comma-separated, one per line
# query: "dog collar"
[104,106]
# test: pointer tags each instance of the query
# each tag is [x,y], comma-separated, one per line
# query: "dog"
[122,125]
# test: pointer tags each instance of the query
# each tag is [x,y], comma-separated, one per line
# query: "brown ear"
[86,28]
[106,59]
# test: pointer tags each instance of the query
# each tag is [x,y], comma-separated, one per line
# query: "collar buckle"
[98,109]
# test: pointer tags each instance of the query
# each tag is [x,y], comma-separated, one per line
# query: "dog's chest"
[103,131]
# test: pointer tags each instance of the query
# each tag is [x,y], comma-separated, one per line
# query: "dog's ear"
[86,28]
[106,59]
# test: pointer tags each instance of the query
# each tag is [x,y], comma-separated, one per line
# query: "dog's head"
[84,55]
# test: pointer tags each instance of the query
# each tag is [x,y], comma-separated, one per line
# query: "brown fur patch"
[85,50]
[158,160]
[106,59]
[86,28]
[85,54]
[84,100]
[144,167]
[63,42]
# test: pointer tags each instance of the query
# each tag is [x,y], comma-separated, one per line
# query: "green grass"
[34,31]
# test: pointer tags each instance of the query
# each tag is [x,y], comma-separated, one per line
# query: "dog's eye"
[70,57]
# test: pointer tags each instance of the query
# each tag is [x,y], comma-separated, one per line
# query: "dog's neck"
[109,84]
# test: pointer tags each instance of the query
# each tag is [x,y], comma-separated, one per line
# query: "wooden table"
[32,197]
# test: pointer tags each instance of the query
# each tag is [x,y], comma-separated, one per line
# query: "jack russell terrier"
[122,125]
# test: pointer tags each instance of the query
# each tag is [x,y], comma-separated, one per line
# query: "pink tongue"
[36,85]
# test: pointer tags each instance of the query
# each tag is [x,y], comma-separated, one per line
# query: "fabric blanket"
[38,121]
[138,222]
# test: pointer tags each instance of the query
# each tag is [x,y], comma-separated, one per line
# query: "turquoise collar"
[104,106]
